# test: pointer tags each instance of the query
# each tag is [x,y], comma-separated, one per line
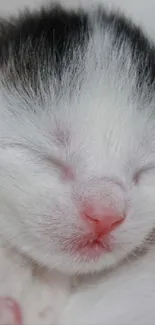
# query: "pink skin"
[101,224]
[10,312]
[99,239]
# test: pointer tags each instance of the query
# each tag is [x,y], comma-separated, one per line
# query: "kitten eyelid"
[142,171]
[55,161]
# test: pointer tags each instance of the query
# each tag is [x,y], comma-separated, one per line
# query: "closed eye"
[51,159]
[66,170]
[141,172]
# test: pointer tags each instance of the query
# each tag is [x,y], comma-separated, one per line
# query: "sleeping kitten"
[77,170]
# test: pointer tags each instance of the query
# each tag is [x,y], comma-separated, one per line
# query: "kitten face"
[77,134]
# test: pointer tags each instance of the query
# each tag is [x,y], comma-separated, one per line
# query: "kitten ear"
[10,312]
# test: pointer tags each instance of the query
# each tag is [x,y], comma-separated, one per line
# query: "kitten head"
[77,151]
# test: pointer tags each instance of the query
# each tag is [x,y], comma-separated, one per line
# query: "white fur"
[111,137]
[124,296]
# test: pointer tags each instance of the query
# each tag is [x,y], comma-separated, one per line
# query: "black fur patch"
[44,42]
[142,50]
[48,41]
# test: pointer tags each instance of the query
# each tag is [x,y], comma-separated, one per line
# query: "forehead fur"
[86,73]
[52,51]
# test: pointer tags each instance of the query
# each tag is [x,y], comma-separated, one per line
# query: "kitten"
[77,169]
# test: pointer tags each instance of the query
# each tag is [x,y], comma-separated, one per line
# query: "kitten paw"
[10,312]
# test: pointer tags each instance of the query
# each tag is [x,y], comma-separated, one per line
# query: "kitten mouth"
[89,248]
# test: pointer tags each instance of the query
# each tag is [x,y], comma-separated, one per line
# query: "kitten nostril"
[116,223]
[92,219]
[103,224]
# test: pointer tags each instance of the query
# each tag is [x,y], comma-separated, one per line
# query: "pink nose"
[103,224]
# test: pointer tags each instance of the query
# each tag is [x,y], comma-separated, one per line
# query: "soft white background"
[142,11]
